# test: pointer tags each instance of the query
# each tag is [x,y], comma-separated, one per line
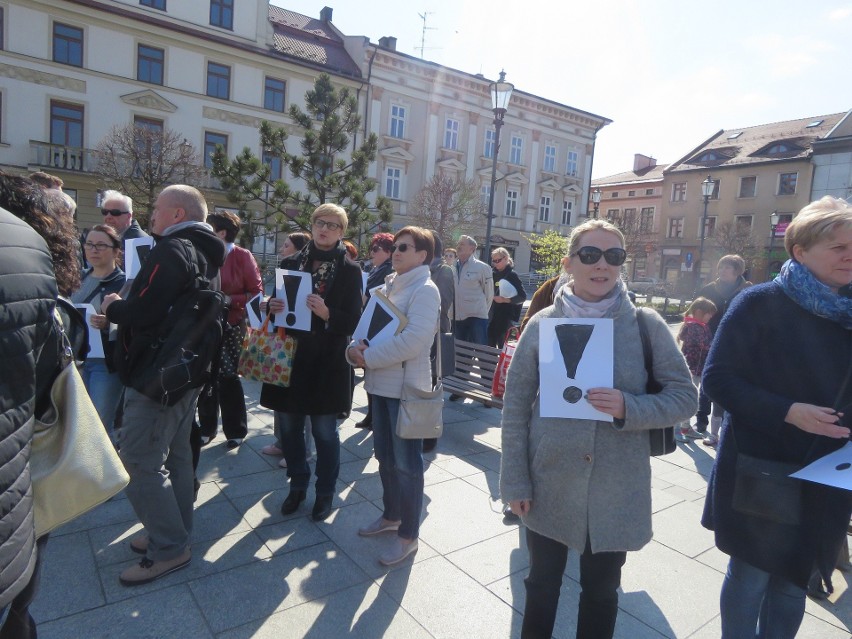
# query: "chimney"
[325,14]
[641,162]
[388,42]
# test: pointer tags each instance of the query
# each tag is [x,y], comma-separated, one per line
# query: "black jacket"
[165,275]
[27,298]
[133,231]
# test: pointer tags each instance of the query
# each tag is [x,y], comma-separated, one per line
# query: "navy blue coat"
[768,354]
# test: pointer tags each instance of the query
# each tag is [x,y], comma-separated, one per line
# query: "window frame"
[225,11]
[275,164]
[490,141]
[544,203]
[677,191]
[567,210]
[753,195]
[451,134]
[781,176]
[398,121]
[210,145]
[70,106]
[516,150]
[274,93]
[646,219]
[485,195]
[512,202]
[572,160]
[152,63]
[674,224]
[219,77]
[709,226]
[549,164]
[393,182]
[160,5]
[69,40]
[740,227]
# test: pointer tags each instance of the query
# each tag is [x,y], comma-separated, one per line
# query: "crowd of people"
[581,483]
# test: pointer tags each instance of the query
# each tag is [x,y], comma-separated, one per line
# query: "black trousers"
[226,393]
[600,577]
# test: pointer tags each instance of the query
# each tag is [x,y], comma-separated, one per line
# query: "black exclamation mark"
[291,288]
[573,339]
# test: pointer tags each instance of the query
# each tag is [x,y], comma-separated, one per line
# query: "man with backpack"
[161,359]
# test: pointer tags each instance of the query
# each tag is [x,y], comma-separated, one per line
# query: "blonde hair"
[816,221]
[502,252]
[592,225]
[333,210]
[702,305]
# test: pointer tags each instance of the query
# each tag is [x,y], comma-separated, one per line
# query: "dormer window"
[781,147]
[710,156]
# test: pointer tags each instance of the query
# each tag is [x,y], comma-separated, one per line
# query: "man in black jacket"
[154,438]
[27,298]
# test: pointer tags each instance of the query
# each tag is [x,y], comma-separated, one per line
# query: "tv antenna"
[423,30]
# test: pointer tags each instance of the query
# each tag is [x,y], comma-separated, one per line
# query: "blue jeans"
[324,429]
[755,603]
[472,329]
[400,468]
[104,389]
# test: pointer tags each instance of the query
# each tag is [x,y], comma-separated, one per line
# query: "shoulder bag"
[268,357]
[421,412]
[73,464]
[662,439]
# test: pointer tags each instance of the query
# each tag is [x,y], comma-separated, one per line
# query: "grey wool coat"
[587,477]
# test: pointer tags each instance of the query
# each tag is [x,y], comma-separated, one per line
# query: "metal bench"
[475,366]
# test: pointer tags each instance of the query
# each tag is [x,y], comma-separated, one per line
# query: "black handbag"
[662,439]
[447,344]
[232,348]
[764,489]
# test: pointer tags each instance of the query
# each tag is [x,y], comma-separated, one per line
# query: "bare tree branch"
[450,207]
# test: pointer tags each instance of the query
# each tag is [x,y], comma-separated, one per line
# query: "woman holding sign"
[586,483]
[320,378]
[781,365]
[387,363]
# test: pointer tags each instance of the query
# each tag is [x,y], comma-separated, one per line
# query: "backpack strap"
[646,341]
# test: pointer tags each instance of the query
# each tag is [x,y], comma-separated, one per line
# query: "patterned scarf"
[802,287]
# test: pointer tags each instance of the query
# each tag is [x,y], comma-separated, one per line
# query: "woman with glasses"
[389,363]
[582,483]
[380,257]
[509,294]
[103,254]
[320,379]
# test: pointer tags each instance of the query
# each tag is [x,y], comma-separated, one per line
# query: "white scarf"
[569,305]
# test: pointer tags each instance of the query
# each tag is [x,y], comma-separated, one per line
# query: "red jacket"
[240,281]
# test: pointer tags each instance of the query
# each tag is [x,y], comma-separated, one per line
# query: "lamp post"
[596,200]
[501,92]
[706,191]
[774,219]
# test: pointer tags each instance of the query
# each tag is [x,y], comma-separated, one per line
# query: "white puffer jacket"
[414,294]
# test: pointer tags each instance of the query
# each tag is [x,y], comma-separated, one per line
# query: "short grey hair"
[125,200]
[188,198]
[467,239]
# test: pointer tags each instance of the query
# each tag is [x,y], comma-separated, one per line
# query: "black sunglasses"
[402,247]
[113,212]
[591,255]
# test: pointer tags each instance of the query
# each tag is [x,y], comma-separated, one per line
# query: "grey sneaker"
[381,525]
[399,550]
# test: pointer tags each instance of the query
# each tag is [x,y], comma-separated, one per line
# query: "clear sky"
[669,73]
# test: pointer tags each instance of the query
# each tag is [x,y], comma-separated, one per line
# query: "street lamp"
[501,92]
[596,200]
[707,187]
[774,219]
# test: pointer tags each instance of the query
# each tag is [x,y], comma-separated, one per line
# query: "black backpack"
[184,351]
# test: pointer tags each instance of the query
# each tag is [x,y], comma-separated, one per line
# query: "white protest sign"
[135,253]
[379,321]
[96,345]
[293,287]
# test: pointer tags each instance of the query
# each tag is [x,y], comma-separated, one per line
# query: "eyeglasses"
[402,247]
[100,246]
[591,255]
[331,226]
[113,212]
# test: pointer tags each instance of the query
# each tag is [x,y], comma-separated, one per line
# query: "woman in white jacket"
[411,290]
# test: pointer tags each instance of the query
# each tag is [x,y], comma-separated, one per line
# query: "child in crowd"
[694,338]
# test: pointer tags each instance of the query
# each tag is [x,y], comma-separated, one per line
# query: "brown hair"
[225,221]
[46,180]
[113,238]
[299,239]
[423,240]
[350,249]
[702,305]
[734,261]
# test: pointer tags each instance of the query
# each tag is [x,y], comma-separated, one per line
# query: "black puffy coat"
[27,297]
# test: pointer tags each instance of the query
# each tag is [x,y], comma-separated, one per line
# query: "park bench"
[474,374]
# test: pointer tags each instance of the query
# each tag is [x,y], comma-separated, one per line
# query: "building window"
[67,44]
[211,141]
[66,132]
[393,179]
[222,13]
[629,219]
[646,220]
[716,185]
[273,95]
[150,62]
[649,191]
[490,139]
[567,208]
[550,158]
[274,164]
[148,124]
[571,165]
[154,4]
[675,227]
[748,186]
[612,215]
[485,195]
[544,209]
[743,224]
[679,193]
[397,121]
[614,194]
[511,203]
[709,227]
[783,222]
[218,81]
[517,150]
[451,134]
[631,193]
[787,183]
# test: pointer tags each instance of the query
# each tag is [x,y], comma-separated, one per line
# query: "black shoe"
[455,398]
[196,488]
[291,504]
[343,415]
[322,507]
[366,424]
[233,443]
[508,515]
[429,444]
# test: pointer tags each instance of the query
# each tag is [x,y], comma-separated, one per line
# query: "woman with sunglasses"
[381,247]
[320,378]
[401,357]
[103,254]
[509,294]
[581,483]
